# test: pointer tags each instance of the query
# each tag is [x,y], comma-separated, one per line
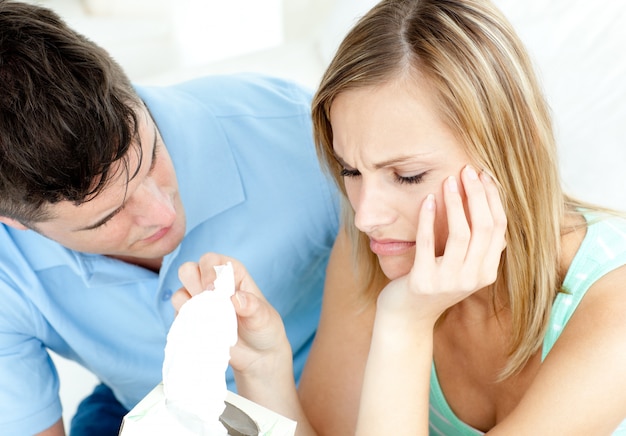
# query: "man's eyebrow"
[104,220]
[154,149]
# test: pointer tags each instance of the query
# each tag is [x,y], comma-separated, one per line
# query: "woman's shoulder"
[595,280]
[602,256]
[594,265]
[593,244]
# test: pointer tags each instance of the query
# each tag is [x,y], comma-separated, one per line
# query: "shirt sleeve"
[29,384]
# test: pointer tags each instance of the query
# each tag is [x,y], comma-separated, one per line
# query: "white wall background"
[578,47]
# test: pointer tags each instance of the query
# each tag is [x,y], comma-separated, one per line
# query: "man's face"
[141,218]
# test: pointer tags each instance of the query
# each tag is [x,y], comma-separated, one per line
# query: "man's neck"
[151,264]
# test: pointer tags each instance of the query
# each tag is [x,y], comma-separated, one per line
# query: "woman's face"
[395,150]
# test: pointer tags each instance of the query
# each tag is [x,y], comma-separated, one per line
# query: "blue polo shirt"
[252,189]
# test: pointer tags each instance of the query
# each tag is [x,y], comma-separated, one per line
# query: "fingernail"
[430,202]
[471,172]
[241,299]
[452,186]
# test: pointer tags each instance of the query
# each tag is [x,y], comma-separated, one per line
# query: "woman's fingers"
[475,239]
[243,281]
[179,298]
[259,326]
[424,262]
[458,227]
[482,228]
[487,223]
[498,241]
[191,278]
[261,334]
[255,314]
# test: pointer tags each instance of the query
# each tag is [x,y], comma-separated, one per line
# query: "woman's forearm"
[395,392]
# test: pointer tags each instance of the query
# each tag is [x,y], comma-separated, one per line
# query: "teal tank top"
[603,249]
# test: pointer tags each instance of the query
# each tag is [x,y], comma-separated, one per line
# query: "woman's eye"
[349,173]
[410,179]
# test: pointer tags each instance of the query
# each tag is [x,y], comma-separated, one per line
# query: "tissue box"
[147,417]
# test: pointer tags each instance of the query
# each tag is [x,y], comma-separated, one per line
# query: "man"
[106,189]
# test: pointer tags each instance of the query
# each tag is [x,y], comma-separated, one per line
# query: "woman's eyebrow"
[340,160]
[399,160]
[395,161]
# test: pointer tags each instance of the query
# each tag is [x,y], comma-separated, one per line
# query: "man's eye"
[349,173]
[411,180]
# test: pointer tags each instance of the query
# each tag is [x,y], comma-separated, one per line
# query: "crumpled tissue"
[191,397]
[197,355]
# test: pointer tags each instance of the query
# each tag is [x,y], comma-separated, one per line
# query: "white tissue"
[197,355]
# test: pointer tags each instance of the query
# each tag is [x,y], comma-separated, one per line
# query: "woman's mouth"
[390,247]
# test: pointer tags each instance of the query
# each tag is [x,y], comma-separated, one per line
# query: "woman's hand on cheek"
[471,255]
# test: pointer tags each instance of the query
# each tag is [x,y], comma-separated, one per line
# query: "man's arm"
[56,430]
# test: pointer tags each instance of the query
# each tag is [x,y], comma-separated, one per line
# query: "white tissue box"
[147,417]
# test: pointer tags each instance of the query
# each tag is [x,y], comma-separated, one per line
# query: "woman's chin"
[394,267]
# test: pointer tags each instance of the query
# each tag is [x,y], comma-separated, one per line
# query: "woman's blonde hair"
[487,93]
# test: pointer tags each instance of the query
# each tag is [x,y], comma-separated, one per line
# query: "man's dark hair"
[67,114]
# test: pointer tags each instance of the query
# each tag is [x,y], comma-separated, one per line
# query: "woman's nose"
[372,209]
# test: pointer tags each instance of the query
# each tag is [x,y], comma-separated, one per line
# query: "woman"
[463,312]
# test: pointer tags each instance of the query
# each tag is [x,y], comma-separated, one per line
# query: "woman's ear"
[12,223]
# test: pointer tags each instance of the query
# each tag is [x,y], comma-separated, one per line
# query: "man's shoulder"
[14,241]
[24,252]
[246,82]
[245,94]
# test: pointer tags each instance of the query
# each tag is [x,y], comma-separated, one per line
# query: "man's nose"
[152,206]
